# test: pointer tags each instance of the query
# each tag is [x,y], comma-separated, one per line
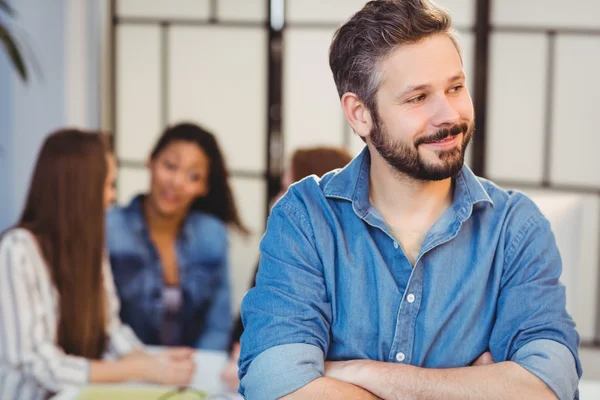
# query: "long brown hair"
[65,212]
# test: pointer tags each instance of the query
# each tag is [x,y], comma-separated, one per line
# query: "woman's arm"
[28,321]
[28,316]
[170,367]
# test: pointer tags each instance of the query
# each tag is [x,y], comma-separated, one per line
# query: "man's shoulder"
[306,194]
[512,205]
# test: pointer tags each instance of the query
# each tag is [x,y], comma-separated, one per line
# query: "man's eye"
[417,99]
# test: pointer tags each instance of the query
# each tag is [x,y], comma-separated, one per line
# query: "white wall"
[59,35]
[31,110]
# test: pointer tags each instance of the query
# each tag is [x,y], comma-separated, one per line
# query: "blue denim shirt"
[202,259]
[333,284]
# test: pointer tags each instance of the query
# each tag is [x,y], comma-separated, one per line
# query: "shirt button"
[395,245]
[400,357]
[410,298]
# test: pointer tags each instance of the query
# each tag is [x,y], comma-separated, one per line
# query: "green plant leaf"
[13,52]
[6,8]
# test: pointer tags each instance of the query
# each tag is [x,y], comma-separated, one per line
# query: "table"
[589,390]
[206,377]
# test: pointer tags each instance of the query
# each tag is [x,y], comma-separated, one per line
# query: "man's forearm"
[330,389]
[505,380]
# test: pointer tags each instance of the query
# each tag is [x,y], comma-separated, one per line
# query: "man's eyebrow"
[457,77]
[414,88]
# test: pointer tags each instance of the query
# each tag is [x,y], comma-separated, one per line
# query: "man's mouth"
[447,141]
[445,136]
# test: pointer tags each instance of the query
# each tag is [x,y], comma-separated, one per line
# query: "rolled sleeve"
[282,370]
[287,316]
[553,363]
[531,310]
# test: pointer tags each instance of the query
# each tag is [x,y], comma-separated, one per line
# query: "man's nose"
[445,114]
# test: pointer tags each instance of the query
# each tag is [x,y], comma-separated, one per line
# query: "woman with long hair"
[169,247]
[58,306]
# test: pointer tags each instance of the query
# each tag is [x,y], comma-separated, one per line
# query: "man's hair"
[361,44]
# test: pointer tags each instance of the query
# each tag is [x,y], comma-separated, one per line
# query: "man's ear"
[357,114]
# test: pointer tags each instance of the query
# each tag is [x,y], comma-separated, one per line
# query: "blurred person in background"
[304,162]
[168,247]
[59,313]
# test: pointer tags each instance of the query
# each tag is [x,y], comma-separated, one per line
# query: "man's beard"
[404,157]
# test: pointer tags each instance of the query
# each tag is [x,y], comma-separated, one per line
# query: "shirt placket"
[404,333]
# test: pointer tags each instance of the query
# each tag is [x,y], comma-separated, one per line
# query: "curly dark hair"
[219,201]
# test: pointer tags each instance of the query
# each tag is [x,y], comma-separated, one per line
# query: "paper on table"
[138,393]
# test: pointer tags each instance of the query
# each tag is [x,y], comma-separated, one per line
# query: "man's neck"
[407,202]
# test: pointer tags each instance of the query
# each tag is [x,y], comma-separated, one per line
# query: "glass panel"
[338,11]
[575,141]
[516,107]
[138,91]
[131,182]
[186,9]
[246,10]
[217,77]
[462,11]
[333,11]
[312,113]
[547,13]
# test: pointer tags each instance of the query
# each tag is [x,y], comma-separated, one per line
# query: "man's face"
[424,117]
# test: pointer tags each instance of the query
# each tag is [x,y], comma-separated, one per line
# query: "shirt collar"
[352,184]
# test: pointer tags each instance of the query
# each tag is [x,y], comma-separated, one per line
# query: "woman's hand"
[169,367]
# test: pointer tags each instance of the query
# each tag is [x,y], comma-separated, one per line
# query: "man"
[404,276]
